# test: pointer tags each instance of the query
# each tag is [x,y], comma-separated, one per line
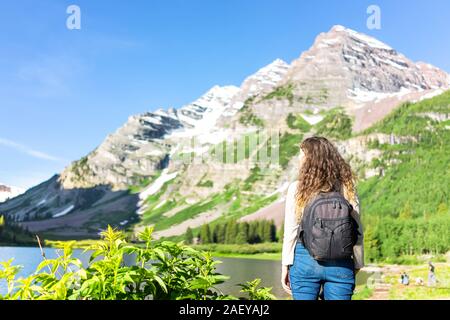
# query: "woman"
[322,169]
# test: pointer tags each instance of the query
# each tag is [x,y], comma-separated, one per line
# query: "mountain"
[8,192]
[361,73]
[166,168]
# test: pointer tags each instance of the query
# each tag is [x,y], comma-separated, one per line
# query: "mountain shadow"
[56,213]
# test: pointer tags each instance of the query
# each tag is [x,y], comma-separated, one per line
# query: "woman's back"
[321,171]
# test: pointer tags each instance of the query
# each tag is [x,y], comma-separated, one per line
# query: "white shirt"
[291,228]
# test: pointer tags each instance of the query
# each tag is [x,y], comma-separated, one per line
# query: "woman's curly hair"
[322,170]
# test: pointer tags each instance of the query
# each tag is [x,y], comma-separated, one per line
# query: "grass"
[335,124]
[362,292]
[80,244]
[154,215]
[416,292]
[258,256]
[143,183]
[252,204]
[289,147]
[297,122]
[255,175]
[265,251]
[236,150]
[195,209]
[282,92]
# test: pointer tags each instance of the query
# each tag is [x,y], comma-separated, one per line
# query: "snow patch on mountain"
[157,185]
[430,95]
[203,113]
[64,212]
[312,119]
[360,95]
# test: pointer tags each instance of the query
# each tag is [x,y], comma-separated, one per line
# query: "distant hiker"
[323,235]
[405,279]
[431,275]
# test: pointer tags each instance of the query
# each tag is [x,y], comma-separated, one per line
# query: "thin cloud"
[27,150]
[48,76]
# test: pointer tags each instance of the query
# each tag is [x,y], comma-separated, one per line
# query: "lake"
[239,270]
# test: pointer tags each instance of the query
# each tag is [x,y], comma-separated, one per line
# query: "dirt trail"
[381,291]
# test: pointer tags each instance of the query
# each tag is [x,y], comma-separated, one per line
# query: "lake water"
[239,270]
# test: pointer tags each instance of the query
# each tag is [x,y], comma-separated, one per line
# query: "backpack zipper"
[321,201]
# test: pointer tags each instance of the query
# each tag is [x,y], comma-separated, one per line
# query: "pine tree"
[246,227]
[260,230]
[235,232]
[242,235]
[214,230]
[266,236]
[189,236]
[230,234]
[252,237]
[205,234]
[220,233]
[273,231]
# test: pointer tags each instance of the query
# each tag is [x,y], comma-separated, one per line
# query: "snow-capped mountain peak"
[8,192]
[361,38]
[265,79]
[202,114]
[345,61]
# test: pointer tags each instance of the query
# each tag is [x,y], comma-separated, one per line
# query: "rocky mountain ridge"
[133,178]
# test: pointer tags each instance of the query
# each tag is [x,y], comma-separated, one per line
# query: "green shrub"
[206,184]
[282,92]
[247,117]
[162,271]
[335,124]
[255,293]
[297,122]
[289,147]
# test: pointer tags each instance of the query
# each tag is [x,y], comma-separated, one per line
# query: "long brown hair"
[322,169]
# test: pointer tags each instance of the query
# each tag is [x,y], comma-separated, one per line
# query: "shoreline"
[373,267]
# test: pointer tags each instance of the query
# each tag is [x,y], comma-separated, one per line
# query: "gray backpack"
[328,230]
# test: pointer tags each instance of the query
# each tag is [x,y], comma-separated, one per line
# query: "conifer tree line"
[394,237]
[10,232]
[233,232]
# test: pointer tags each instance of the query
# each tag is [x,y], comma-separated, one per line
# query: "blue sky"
[63,91]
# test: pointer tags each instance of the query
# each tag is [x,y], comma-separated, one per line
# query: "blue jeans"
[307,275]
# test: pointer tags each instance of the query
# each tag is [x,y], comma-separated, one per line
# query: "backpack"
[328,230]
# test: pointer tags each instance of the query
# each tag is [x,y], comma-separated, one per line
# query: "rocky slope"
[165,167]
